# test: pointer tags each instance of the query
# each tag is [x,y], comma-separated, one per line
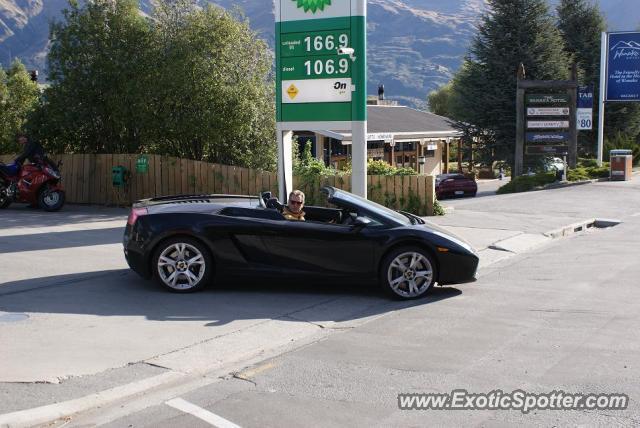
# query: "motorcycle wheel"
[51,200]
[5,200]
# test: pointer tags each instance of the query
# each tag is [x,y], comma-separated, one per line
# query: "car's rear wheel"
[408,273]
[182,265]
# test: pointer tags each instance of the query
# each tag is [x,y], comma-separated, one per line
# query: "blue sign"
[623,67]
[547,137]
[585,96]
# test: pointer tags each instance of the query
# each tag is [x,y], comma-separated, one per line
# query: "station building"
[401,136]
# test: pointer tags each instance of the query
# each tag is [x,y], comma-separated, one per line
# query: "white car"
[553,164]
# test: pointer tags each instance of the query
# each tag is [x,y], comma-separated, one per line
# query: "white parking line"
[200,413]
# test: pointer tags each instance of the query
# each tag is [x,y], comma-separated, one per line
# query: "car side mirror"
[361,222]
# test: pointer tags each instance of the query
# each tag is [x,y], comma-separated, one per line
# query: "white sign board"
[380,136]
[316,91]
[552,124]
[585,119]
[547,111]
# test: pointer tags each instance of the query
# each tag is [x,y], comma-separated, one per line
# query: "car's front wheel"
[408,273]
[182,265]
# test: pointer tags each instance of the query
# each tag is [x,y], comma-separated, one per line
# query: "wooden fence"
[87,180]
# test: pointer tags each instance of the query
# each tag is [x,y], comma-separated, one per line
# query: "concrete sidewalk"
[501,226]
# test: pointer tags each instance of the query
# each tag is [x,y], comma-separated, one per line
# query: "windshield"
[374,208]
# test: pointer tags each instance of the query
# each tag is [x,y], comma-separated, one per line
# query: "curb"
[524,242]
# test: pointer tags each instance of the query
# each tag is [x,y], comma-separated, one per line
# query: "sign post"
[321,78]
[546,122]
[619,74]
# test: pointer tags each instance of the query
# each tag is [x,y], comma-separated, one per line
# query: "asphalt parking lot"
[80,323]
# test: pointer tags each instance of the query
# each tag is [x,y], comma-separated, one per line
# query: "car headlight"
[457,241]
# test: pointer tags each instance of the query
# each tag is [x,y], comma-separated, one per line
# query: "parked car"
[450,185]
[186,242]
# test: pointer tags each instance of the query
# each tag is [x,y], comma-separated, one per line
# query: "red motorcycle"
[34,184]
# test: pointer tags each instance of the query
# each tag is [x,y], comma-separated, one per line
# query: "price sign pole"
[321,78]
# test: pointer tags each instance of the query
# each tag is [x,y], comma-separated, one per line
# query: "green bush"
[587,162]
[591,172]
[379,167]
[525,183]
[438,209]
[578,174]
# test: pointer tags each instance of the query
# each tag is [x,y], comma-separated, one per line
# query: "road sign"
[548,111]
[547,137]
[547,99]
[320,62]
[321,78]
[142,164]
[547,150]
[585,108]
[550,124]
[585,119]
[623,67]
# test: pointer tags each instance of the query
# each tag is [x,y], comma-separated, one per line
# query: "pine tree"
[581,24]
[511,33]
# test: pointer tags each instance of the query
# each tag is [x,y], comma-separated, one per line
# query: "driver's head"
[22,139]
[296,201]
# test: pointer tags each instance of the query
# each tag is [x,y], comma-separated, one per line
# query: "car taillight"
[134,214]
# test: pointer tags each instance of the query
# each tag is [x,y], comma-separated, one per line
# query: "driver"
[293,210]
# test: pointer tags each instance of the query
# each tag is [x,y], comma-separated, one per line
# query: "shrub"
[578,174]
[379,167]
[438,209]
[587,162]
[526,183]
[591,172]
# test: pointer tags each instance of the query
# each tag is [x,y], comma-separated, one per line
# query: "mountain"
[414,45]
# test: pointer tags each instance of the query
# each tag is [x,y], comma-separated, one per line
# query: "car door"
[238,239]
[321,249]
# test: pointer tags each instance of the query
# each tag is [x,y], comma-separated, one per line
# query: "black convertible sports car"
[186,241]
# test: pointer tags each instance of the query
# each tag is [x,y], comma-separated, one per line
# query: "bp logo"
[313,5]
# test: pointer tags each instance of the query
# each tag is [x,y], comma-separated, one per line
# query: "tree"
[214,98]
[18,97]
[581,24]
[511,32]
[194,83]
[97,62]
[440,100]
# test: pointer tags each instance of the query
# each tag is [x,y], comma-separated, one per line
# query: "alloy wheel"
[181,266]
[410,274]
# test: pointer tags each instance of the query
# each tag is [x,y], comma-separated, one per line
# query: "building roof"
[402,123]
[404,119]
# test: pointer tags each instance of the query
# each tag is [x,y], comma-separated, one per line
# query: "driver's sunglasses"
[295,202]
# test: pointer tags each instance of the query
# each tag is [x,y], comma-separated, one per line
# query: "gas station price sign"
[315,43]
[320,61]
